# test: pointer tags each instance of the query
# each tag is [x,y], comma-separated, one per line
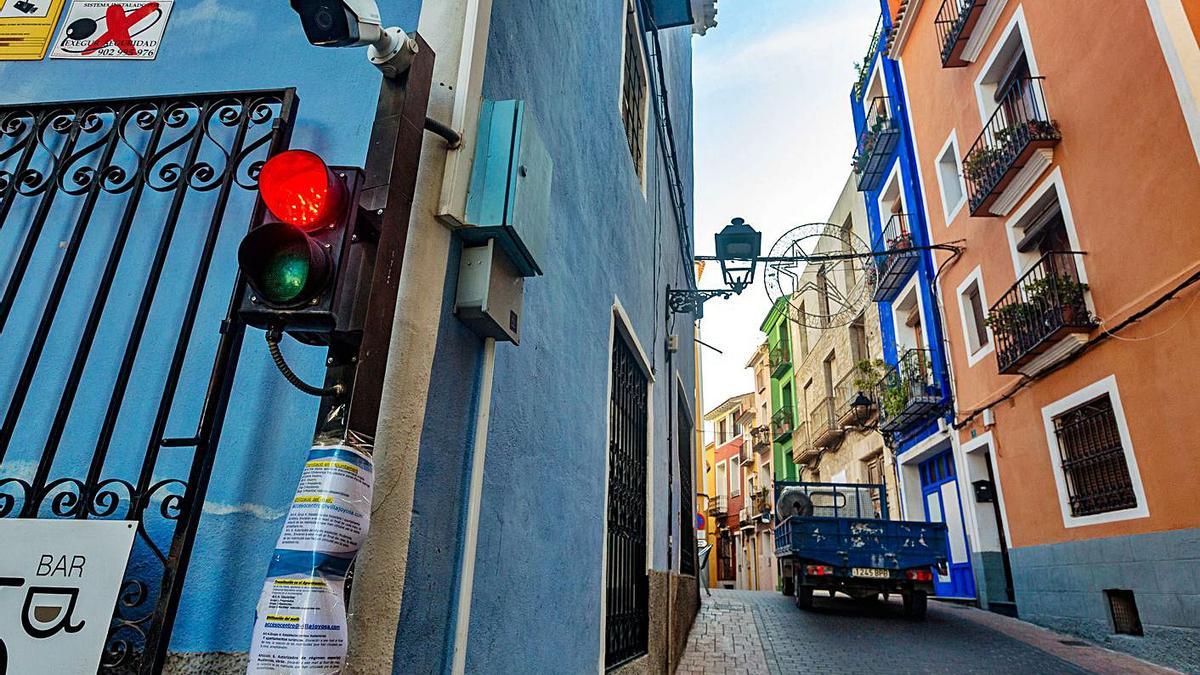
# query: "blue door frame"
[943,503]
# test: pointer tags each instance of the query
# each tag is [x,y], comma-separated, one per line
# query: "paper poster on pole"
[300,621]
[58,589]
[26,27]
[112,29]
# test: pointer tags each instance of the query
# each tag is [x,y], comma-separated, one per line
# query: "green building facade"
[783,391]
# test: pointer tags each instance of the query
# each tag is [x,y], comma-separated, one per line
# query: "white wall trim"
[1183,59]
[984,441]
[950,211]
[1053,181]
[1106,386]
[976,277]
[644,169]
[1017,23]
[983,28]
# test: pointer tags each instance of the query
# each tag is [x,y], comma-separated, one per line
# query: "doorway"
[940,494]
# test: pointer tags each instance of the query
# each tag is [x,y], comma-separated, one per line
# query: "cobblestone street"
[748,632]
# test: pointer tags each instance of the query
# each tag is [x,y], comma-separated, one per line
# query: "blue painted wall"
[905,157]
[210,45]
[538,577]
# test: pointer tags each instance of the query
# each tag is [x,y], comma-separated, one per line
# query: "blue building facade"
[619,234]
[915,392]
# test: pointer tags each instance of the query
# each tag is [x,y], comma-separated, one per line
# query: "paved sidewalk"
[752,633]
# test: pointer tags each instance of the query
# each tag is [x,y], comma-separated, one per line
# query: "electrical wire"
[273,336]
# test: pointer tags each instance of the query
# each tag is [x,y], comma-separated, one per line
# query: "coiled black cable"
[273,335]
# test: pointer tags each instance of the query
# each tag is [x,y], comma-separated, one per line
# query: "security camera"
[356,23]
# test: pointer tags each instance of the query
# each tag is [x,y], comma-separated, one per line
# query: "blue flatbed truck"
[836,537]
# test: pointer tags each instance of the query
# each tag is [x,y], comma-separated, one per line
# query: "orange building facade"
[1059,150]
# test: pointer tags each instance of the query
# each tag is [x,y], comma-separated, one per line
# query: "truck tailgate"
[861,542]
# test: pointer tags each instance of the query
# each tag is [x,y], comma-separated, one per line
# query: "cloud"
[210,14]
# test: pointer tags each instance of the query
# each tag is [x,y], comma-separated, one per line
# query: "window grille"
[1093,459]
[628,589]
[1124,612]
[634,88]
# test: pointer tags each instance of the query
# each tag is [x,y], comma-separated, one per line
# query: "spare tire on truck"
[793,501]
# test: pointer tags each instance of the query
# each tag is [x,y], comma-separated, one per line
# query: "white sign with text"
[59,581]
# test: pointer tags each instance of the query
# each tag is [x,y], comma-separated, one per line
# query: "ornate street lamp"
[738,249]
[861,405]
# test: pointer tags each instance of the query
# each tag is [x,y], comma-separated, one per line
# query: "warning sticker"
[26,27]
[112,29]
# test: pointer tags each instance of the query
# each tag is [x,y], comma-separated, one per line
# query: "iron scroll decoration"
[104,158]
[824,271]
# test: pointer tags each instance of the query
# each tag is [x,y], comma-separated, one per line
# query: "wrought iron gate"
[100,201]
[627,615]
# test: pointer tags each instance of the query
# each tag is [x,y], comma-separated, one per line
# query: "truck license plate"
[870,573]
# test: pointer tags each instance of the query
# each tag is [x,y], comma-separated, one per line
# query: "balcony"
[880,136]
[746,452]
[895,258]
[761,438]
[1043,318]
[846,393]
[782,423]
[1012,151]
[910,393]
[864,67]
[803,450]
[780,358]
[719,507]
[826,432]
[956,21]
[761,499]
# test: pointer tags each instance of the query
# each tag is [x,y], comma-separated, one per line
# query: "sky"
[774,138]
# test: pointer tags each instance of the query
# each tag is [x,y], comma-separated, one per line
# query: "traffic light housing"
[307,259]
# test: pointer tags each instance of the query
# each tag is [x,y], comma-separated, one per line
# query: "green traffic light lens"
[285,273]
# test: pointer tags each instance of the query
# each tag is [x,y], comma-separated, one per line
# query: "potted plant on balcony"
[900,242]
[1064,292]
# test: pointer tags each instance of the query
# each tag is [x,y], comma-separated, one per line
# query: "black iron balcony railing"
[895,258]
[826,432]
[910,392]
[780,358]
[760,436]
[762,500]
[1020,126]
[864,67]
[1047,303]
[782,423]
[955,23]
[876,143]
[746,452]
[845,394]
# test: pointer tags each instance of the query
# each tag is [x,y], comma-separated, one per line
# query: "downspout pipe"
[466,568]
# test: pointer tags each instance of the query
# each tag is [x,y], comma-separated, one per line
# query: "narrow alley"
[752,632]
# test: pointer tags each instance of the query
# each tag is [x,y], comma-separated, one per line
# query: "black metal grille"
[1020,125]
[687,512]
[910,392]
[633,91]
[895,258]
[955,22]
[879,138]
[1093,459]
[1046,303]
[1123,609]
[628,591]
[131,190]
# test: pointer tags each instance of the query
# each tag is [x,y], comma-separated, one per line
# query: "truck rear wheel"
[789,586]
[915,605]
[804,594]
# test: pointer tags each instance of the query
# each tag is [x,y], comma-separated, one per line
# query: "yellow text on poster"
[26,28]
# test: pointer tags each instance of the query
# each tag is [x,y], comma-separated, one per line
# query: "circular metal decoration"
[827,277]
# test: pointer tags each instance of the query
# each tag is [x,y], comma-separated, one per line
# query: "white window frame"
[895,176]
[638,171]
[735,477]
[1106,386]
[910,287]
[974,278]
[1015,24]
[951,211]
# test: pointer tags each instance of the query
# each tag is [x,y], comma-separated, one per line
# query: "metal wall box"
[509,197]
[491,293]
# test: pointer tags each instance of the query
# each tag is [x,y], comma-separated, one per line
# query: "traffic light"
[307,260]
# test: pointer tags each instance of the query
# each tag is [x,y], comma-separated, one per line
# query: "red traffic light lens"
[284,266]
[299,189]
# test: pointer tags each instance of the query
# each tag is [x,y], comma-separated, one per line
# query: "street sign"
[58,589]
[113,29]
[26,27]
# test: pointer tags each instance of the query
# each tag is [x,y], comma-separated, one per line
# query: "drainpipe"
[466,569]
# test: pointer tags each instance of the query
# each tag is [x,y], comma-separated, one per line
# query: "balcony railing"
[803,450]
[955,22]
[879,138]
[719,506]
[910,393]
[1046,304]
[895,258]
[746,452]
[782,423]
[864,67]
[760,436]
[826,432]
[846,393]
[1020,126]
[780,358]
[762,500]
